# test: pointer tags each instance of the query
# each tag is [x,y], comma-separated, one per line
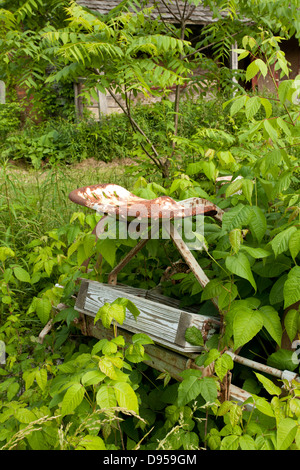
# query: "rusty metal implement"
[114,200]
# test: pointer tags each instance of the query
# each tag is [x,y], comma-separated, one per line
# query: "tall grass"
[33,202]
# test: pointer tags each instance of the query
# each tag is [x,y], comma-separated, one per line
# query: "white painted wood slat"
[164,324]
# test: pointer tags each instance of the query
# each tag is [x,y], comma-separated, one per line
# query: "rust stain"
[114,200]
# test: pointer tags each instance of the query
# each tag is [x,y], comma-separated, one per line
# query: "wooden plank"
[164,324]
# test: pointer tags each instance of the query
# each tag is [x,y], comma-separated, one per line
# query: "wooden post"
[2,92]
[234,64]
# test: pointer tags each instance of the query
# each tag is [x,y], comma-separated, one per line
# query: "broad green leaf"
[267,105]
[272,322]
[209,389]
[72,398]
[41,378]
[5,253]
[238,104]
[246,324]
[21,274]
[276,292]
[257,223]
[286,432]
[43,308]
[291,322]
[285,90]
[107,367]
[252,70]
[228,293]
[294,244]
[247,188]
[189,389]
[126,396]
[256,252]
[239,264]
[108,248]
[280,242]
[262,66]
[234,187]
[272,267]
[194,336]
[282,359]
[237,217]
[92,377]
[235,238]
[222,365]
[270,130]
[264,406]
[141,338]
[230,442]
[247,442]
[252,106]
[106,397]
[271,388]
[291,289]
[24,415]
[90,442]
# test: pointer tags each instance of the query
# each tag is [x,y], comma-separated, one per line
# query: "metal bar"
[281,374]
[189,258]
[112,278]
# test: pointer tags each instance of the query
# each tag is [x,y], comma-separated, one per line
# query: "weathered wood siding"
[166,325]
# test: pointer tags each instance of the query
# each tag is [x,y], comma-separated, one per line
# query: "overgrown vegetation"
[66,391]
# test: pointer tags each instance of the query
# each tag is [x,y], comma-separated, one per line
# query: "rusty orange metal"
[114,200]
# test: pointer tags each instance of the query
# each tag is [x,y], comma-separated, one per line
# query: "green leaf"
[108,248]
[237,217]
[247,188]
[43,308]
[286,432]
[291,321]
[235,238]
[5,253]
[264,406]
[252,70]
[21,274]
[256,252]
[72,398]
[107,367]
[91,443]
[280,242]
[246,324]
[222,365]
[271,388]
[238,104]
[228,293]
[267,105]
[291,289]
[272,322]
[252,106]
[283,360]
[106,397]
[126,396]
[93,377]
[194,336]
[24,415]
[294,244]
[189,389]
[239,264]
[41,378]
[270,130]
[247,442]
[257,223]
[285,90]
[276,292]
[234,187]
